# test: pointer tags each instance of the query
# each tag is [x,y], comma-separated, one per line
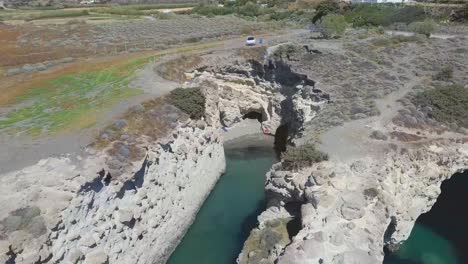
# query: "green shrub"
[190,100]
[278,3]
[249,9]
[302,156]
[366,15]
[425,27]
[325,8]
[445,74]
[333,25]
[285,51]
[447,105]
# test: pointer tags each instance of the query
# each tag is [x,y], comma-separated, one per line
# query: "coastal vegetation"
[446,105]
[445,74]
[190,100]
[71,100]
[333,25]
[301,156]
[425,27]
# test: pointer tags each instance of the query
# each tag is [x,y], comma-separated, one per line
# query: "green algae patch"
[71,101]
[261,242]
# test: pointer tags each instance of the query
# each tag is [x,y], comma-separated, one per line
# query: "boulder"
[75,256]
[96,257]
[124,216]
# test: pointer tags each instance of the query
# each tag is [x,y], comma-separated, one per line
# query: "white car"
[251,41]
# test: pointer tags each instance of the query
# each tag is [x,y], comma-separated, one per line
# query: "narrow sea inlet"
[230,212]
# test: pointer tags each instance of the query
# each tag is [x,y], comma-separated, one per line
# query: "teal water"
[230,212]
[439,236]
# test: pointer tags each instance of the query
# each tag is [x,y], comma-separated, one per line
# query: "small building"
[88,2]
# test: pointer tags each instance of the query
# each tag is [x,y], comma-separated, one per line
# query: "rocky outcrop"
[351,210]
[272,91]
[71,210]
[380,177]
[348,207]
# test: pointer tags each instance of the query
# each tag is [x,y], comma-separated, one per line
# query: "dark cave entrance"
[295,224]
[254,115]
[281,138]
[442,233]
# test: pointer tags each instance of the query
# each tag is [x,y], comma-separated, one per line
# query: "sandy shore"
[245,127]
[258,140]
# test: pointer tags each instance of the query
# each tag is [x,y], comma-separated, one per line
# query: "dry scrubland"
[47,87]
[27,44]
[365,66]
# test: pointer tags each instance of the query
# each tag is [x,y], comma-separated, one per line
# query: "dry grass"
[13,52]
[15,86]
[148,122]
[175,70]
[256,53]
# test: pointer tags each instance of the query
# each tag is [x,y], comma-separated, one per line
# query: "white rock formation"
[347,206]
[238,90]
[66,210]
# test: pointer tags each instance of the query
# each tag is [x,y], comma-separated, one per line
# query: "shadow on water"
[440,235]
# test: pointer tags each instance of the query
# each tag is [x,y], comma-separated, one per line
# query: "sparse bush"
[190,100]
[365,15]
[333,25]
[396,40]
[425,27]
[325,8]
[460,15]
[175,70]
[285,51]
[445,74]
[302,156]
[249,9]
[446,105]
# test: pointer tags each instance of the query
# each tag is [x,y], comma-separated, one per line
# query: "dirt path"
[351,140]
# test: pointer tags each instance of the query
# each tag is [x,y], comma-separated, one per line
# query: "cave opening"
[281,138]
[440,235]
[254,115]
[295,224]
[391,228]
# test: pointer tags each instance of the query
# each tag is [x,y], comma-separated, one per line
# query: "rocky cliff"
[350,210]
[382,173]
[71,210]
[270,92]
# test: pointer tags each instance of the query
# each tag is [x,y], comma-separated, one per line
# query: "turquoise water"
[230,212]
[441,235]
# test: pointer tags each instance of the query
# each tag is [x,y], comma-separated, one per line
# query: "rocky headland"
[73,210]
[354,99]
[387,155]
